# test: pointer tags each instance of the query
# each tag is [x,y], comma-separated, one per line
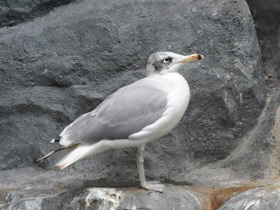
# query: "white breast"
[178,96]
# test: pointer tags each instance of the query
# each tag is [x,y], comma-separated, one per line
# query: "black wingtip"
[57,139]
[49,154]
[46,156]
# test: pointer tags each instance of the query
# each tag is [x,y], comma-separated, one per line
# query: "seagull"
[132,116]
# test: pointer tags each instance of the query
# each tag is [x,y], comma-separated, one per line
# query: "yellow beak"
[193,57]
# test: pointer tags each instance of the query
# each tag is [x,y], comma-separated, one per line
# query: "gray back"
[125,112]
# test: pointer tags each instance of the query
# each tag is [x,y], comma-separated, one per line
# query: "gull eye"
[167,60]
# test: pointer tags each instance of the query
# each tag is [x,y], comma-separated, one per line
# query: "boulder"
[267,23]
[256,199]
[258,155]
[59,66]
[58,61]
[102,198]
[13,12]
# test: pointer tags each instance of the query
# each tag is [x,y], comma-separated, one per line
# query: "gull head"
[167,62]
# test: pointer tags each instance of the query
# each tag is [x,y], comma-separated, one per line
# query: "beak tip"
[200,57]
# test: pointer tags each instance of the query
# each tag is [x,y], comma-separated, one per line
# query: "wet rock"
[105,198]
[171,198]
[256,199]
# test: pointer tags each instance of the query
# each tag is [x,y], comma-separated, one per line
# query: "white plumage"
[132,116]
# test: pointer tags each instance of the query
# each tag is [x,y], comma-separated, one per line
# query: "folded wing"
[125,112]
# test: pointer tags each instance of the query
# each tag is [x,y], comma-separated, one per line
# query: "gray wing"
[125,112]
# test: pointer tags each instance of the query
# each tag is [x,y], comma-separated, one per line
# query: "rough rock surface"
[256,157]
[102,198]
[266,16]
[260,149]
[60,66]
[56,67]
[257,199]
[13,12]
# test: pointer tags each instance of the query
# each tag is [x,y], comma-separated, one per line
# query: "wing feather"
[123,113]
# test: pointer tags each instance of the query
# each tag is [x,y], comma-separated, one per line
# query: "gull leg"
[153,185]
[140,164]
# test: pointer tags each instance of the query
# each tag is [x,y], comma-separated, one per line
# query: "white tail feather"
[80,152]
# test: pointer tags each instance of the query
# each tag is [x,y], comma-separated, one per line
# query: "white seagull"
[133,115]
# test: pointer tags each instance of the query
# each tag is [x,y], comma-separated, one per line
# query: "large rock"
[57,67]
[13,12]
[258,155]
[255,158]
[267,23]
[257,199]
[101,198]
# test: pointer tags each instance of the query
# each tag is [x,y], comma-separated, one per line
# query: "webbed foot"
[153,185]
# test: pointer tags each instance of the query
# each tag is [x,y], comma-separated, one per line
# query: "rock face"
[59,66]
[65,64]
[262,142]
[13,12]
[267,24]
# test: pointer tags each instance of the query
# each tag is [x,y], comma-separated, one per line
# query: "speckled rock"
[256,199]
[267,23]
[57,67]
[13,12]
[102,198]
[68,59]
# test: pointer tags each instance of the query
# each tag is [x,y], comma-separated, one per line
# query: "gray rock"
[265,5]
[13,12]
[267,23]
[258,155]
[171,198]
[102,198]
[39,199]
[59,66]
[56,67]
[256,199]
